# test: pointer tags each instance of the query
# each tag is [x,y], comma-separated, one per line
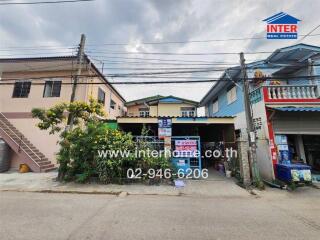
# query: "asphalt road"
[275,215]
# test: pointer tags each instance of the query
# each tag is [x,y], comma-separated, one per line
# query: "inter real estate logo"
[282,26]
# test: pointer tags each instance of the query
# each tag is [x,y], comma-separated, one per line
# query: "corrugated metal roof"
[297,109]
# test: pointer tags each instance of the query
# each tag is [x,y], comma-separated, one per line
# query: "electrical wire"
[193,41]
[44,2]
[178,54]
[11,81]
[154,59]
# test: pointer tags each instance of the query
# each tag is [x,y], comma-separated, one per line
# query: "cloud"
[137,21]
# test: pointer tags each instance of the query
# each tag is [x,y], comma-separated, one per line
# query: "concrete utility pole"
[79,66]
[80,57]
[250,125]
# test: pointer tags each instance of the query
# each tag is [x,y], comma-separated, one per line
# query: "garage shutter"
[297,123]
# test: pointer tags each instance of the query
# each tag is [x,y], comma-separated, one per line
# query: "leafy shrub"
[79,156]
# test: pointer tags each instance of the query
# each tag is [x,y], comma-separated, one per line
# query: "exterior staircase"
[27,152]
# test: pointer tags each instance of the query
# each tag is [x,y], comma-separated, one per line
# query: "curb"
[117,193]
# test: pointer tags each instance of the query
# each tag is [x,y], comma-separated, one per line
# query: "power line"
[36,49]
[161,73]
[45,2]
[177,54]
[155,59]
[40,54]
[202,70]
[309,33]
[193,41]
[164,42]
[164,64]
[10,81]
[161,68]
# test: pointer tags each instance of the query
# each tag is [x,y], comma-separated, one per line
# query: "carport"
[215,133]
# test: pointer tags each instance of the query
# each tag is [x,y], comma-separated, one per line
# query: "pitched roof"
[6,65]
[281,18]
[158,98]
[173,99]
[142,100]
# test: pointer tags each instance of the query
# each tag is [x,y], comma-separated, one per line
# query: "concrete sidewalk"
[217,186]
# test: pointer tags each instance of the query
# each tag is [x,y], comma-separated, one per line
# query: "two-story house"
[42,82]
[208,132]
[284,93]
[162,106]
[148,110]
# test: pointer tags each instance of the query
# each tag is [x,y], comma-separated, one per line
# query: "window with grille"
[52,89]
[21,89]
[112,104]
[144,112]
[101,96]
[188,112]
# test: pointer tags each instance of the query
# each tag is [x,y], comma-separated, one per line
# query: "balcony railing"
[291,92]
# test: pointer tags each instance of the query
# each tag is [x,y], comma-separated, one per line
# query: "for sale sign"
[185,148]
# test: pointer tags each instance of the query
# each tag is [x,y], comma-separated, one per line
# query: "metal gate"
[186,152]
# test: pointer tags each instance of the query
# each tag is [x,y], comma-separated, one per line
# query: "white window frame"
[188,113]
[215,106]
[232,95]
[144,112]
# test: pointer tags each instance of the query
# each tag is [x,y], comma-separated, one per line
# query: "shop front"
[297,142]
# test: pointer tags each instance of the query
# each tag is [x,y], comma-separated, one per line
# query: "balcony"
[291,93]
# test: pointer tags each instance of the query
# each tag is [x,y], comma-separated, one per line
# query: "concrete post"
[243,156]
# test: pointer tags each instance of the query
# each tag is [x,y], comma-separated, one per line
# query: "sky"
[32,30]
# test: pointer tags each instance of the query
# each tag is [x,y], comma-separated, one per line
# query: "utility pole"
[250,125]
[80,57]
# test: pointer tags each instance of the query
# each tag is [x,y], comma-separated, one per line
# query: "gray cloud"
[134,21]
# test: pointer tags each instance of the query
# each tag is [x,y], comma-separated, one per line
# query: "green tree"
[54,120]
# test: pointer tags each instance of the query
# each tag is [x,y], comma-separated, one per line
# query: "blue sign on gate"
[164,122]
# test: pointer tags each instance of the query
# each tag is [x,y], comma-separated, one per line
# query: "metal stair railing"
[4,123]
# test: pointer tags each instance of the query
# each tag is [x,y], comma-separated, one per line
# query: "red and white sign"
[186,148]
[185,142]
[164,132]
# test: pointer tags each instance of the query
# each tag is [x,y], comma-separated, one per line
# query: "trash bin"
[4,156]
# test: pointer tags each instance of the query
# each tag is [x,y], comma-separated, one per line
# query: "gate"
[186,152]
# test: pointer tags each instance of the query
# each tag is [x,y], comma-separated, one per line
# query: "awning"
[297,109]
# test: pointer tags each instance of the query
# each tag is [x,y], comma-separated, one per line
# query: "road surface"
[275,215]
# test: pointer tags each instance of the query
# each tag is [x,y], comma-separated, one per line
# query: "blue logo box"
[282,35]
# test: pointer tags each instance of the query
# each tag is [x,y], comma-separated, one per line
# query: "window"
[21,89]
[188,112]
[144,112]
[101,96]
[215,106]
[232,95]
[112,104]
[52,89]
